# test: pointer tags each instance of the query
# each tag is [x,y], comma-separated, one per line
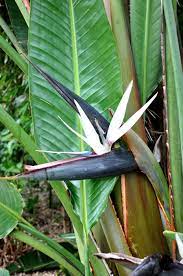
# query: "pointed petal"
[129,123]
[75,132]
[91,135]
[119,114]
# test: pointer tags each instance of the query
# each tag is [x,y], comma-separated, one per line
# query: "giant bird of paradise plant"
[73,45]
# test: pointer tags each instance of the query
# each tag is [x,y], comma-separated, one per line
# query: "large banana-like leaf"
[174,84]
[145,34]
[72,41]
[9,199]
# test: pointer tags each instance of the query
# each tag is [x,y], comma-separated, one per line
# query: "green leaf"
[11,198]
[32,261]
[4,272]
[69,237]
[174,84]
[43,243]
[12,53]
[145,35]
[48,250]
[18,24]
[68,258]
[82,58]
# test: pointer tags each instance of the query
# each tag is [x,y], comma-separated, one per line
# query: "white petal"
[130,122]
[91,135]
[179,244]
[75,132]
[119,114]
[66,152]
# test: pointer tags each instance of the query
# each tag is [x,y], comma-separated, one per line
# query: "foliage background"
[14,94]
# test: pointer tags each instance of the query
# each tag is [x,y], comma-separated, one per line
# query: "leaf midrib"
[83,203]
[146,39]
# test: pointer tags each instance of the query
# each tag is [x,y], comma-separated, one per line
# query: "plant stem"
[11,36]
[83,190]
[47,250]
[62,194]
[14,214]
[85,228]
[20,135]
[12,53]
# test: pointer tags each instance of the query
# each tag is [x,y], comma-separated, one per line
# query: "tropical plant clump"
[79,58]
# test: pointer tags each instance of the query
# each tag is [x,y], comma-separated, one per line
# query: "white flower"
[116,128]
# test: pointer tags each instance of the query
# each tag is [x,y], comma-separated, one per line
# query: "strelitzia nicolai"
[105,160]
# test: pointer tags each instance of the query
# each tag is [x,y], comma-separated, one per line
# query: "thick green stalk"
[23,11]
[64,198]
[10,35]
[47,250]
[20,135]
[12,53]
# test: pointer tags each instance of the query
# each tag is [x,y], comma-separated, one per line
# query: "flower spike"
[116,129]
[93,122]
